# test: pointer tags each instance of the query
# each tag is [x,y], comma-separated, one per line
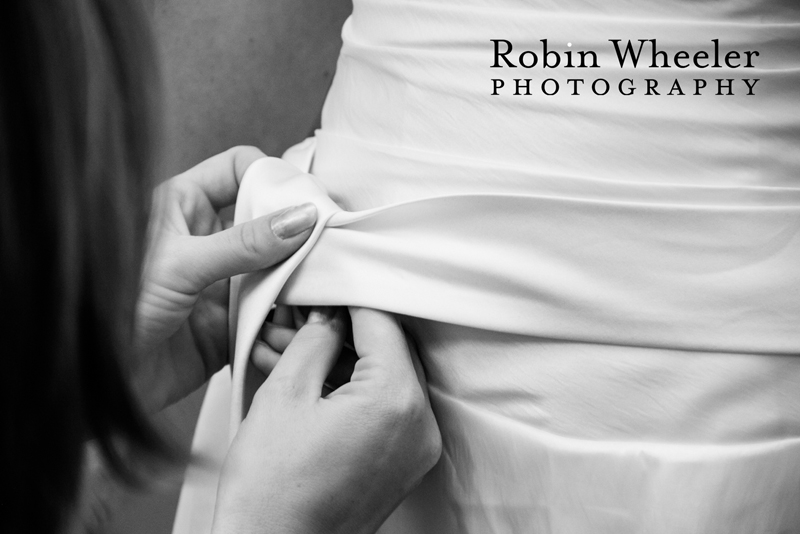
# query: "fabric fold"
[562,275]
[604,288]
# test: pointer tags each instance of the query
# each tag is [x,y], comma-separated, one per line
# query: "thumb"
[252,245]
[379,340]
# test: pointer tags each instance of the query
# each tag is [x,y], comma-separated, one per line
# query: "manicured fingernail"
[294,221]
[321,314]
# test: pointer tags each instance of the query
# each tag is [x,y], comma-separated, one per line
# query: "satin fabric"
[347,266]
[604,289]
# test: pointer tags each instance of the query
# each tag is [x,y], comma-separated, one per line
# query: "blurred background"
[234,72]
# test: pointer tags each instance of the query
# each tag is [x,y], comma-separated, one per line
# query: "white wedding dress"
[606,289]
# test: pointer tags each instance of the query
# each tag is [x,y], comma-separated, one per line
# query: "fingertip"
[322,314]
[374,319]
[243,156]
[312,353]
[294,221]
[277,336]
[264,357]
[376,332]
[331,318]
[264,247]
[365,315]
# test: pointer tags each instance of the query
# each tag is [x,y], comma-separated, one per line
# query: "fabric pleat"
[604,289]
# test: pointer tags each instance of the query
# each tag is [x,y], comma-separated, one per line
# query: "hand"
[303,463]
[275,336]
[182,311]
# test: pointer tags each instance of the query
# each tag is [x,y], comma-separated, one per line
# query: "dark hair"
[78,85]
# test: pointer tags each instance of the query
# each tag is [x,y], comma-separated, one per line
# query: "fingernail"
[321,314]
[294,221]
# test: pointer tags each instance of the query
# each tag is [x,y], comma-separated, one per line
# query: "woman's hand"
[182,312]
[303,463]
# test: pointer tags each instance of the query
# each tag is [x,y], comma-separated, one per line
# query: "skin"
[182,312]
[339,463]
[302,462]
[234,71]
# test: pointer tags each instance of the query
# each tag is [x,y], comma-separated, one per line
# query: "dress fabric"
[605,289]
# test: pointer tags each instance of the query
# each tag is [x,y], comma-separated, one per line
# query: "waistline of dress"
[695,277]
